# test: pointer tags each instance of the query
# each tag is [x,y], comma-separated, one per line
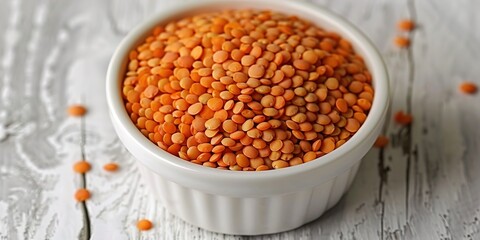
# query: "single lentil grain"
[401,42]
[82,167]
[82,195]
[256,71]
[381,142]
[110,167]
[406,25]
[76,110]
[403,118]
[144,224]
[468,87]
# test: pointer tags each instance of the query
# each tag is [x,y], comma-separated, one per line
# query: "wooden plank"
[37,155]
[444,186]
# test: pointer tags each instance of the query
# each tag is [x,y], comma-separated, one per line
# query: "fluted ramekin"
[248,203]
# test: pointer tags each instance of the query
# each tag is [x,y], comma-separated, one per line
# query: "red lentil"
[82,195]
[401,42]
[403,118]
[381,142]
[246,93]
[406,25]
[110,167]
[468,87]
[76,110]
[144,224]
[82,167]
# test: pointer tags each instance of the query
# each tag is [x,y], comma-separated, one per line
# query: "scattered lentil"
[144,224]
[401,42]
[468,87]
[82,194]
[403,118]
[406,25]
[110,167]
[82,167]
[381,142]
[76,110]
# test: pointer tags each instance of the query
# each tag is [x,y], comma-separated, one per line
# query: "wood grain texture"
[424,185]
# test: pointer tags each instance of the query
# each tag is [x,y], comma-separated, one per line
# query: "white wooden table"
[424,185]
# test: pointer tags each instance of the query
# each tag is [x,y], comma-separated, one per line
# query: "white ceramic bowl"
[249,203]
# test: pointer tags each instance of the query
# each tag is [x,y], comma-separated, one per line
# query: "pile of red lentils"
[246,90]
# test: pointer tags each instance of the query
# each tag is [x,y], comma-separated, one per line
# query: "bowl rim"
[361,44]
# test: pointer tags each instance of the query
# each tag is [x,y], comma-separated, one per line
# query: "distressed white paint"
[55,52]
[11,37]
